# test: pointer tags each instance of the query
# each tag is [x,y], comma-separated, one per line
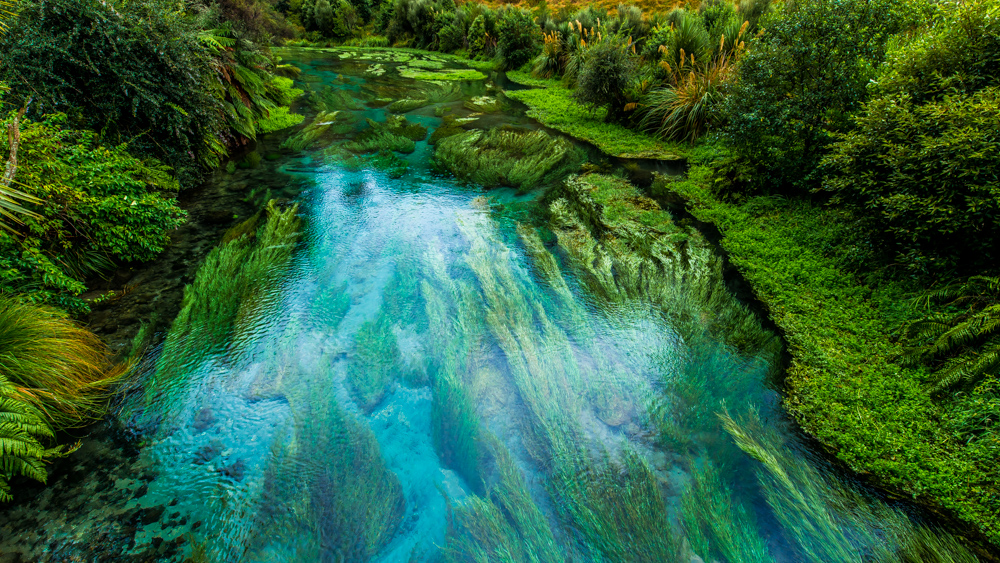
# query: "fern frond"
[969,368]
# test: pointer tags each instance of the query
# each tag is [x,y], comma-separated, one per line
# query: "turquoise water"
[434,375]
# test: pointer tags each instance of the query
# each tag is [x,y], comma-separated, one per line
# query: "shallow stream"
[394,365]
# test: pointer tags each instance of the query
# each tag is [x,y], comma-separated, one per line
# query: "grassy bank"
[552,104]
[846,385]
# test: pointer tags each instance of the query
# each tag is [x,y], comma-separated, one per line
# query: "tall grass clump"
[508,157]
[231,285]
[58,367]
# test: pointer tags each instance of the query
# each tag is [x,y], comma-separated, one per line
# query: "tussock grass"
[507,157]
[55,365]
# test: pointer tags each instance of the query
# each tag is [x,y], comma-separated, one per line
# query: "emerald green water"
[435,374]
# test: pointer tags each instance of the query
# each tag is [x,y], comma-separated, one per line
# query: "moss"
[507,157]
[553,105]
[845,384]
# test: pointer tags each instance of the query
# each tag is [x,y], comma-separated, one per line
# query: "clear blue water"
[326,428]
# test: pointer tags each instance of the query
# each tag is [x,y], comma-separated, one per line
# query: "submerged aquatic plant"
[829,520]
[60,368]
[717,526]
[508,157]
[229,287]
[375,363]
[396,134]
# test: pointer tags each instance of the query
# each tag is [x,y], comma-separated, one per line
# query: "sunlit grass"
[56,365]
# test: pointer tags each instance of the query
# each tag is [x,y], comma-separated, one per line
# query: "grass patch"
[553,105]
[845,385]
[507,157]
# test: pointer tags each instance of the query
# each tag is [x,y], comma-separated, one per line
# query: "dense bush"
[799,82]
[920,170]
[607,76]
[97,206]
[519,38]
[135,71]
[419,21]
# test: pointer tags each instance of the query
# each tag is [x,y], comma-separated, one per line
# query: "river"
[389,364]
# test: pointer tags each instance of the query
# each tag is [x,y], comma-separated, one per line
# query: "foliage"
[798,84]
[518,38]
[136,71]
[58,367]
[962,340]
[684,110]
[93,207]
[606,78]
[919,170]
[22,430]
[482,35]
[419,21]
[508,157]
[331,18]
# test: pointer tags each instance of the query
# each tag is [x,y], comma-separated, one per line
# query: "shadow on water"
[387,364]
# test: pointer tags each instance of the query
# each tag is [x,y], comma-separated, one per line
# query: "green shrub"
[920,170]
[606,78]
[798,84]
[482,35]
[519,39]
[137,71]
[96,207]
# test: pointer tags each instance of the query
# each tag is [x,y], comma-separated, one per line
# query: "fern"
[22,427]
[962,340]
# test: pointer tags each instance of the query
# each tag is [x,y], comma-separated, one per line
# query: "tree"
[800,81]
[519,38]
[607,75]
[920,170]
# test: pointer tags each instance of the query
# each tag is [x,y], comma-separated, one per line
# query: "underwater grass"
[396,134]
[504,525]
[375,363]
[718,527]
[227,288]
[830,521]
[321,131]
[279,118]
[57,366]
[507,157]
